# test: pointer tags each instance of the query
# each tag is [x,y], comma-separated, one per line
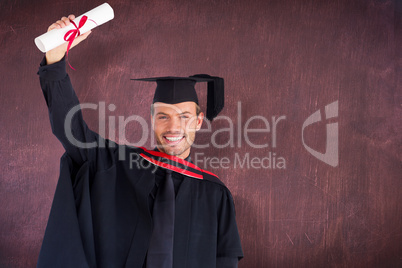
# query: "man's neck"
[185,154]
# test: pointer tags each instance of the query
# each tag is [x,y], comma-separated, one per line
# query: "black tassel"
[215,95]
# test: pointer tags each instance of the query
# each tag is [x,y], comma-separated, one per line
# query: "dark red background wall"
[278,58]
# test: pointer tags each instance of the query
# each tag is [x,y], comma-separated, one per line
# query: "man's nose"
[175,124]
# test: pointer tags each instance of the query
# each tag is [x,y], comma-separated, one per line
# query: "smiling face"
[174,126]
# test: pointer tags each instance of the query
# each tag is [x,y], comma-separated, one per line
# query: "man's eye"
[162,117]
[184,117]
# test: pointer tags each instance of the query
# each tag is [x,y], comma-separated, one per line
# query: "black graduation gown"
[100,215]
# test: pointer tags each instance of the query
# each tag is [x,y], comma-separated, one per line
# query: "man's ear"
[200,119]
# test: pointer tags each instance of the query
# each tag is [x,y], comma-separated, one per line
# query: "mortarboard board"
[172,90]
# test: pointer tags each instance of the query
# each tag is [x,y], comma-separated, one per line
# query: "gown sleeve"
[65,114]
[229,250]
[68,240]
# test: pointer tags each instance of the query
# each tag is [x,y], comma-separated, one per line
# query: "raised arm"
[64,109]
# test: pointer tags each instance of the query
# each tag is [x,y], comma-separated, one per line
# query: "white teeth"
[173,138]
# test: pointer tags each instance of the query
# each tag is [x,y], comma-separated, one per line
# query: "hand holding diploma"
[73,30]
[58,53]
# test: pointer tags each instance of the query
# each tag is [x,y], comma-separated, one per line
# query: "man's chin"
[172,151]
[169,150]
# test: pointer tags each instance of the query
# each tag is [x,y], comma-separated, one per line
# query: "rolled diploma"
[55,37]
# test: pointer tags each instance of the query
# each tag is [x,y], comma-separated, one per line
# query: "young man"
[108,212]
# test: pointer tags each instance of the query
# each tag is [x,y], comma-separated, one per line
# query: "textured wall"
[279,58]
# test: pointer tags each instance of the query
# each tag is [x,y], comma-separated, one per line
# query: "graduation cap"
[172,90]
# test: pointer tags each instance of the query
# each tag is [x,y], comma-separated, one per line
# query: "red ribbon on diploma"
[72,34]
